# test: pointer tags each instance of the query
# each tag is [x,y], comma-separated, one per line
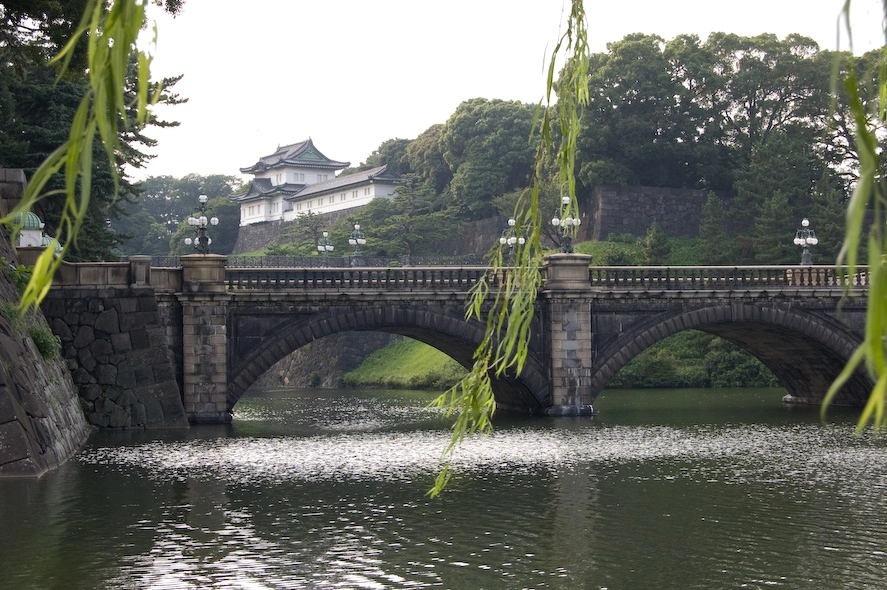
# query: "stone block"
[125,378]
[138,339]
[91,392]
[107,322]
[119,418]
[138,415]
[85,336]
[144,375]
[153,411]
[13,442]
[61,329]
[106,374]
[101,348]
[121,342]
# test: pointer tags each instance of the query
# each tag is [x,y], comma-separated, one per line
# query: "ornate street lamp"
[806,237]
[510,238]
[567,223]
[202,241]
[325,246]
[357,240]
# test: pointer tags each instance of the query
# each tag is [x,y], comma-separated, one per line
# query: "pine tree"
[716,244]
[773,232]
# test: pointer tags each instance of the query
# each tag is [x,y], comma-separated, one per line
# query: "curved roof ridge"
[301,154]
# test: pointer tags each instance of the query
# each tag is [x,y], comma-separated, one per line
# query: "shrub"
[20,275]
[48,344]
[12,315]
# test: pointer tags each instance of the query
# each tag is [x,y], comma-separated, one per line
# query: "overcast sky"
[351,74]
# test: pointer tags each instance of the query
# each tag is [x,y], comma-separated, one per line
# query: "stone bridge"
[222,327]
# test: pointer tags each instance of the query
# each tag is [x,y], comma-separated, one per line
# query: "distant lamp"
[806,237]
[357,239]
[567,223]
[325,246]
[202,241]
[511,238]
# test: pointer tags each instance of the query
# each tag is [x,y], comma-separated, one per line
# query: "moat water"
[327,489]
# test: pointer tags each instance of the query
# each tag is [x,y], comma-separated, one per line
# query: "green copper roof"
[30,221]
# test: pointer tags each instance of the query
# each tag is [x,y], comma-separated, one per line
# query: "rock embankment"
[41,421]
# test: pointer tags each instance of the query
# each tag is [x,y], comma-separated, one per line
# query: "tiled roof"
[379,174]
[261,188]
[302,154]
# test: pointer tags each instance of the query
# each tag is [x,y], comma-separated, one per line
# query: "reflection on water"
[320,489]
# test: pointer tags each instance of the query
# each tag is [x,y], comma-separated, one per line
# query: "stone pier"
[204,338]
[566,288]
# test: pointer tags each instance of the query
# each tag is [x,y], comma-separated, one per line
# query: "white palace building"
[297,179]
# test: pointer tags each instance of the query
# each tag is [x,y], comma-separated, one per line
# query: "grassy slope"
[408,364]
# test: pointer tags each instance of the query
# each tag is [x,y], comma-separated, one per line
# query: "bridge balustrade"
[408,279]
[682,278]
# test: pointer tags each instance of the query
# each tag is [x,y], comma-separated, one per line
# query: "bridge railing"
[724,277]
[406,278]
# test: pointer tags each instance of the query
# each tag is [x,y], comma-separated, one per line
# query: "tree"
[717,246]
[763,84]
[102,115]
[485,143]
[773,231]
[392,152]
[301,237]
[408,224]
[637,128]
[655,245]
[827,215]
[168,202]
[426,159]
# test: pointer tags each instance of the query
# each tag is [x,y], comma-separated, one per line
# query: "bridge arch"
[443,327]
[805,350]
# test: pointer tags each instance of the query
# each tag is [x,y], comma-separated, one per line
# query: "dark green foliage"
[155,221]
[654,245]
[11,313]
[693,359]
[19,275]
[410,224]
[39,110]
[426,159]
[392,152]
[728,366]
[486,145]
[300,238]
[773,232]
[715,244]
[48,344]
[827,217]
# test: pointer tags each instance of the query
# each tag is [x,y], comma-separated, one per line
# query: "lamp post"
[325,245]
[202,241]
[510,238]
[806,237]
[357,240]
[562,219]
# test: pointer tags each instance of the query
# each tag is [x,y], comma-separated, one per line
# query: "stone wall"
[41,421]
[116,350]
[632,209]
[256,236]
